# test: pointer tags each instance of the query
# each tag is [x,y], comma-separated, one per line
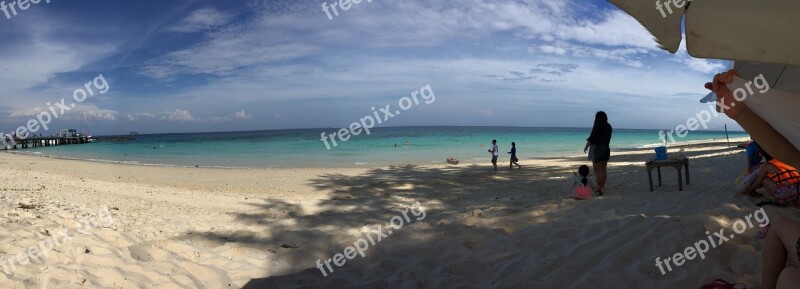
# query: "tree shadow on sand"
[481,229]
[454,199]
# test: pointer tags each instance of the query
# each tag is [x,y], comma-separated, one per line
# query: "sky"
[200,66]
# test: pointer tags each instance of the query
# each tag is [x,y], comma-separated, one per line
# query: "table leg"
[650,178]
[686,165]
[659,176]
[680,179]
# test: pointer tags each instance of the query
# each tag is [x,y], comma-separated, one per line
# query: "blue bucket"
[661,153]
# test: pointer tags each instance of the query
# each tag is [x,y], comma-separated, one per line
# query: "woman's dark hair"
[600,118]
[513,144]
[584,172]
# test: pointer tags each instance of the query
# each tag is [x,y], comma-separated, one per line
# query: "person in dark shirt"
[754,157]
[600,138]
[514,158]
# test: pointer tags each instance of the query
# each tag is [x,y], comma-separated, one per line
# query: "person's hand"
[729,105]
[585,149]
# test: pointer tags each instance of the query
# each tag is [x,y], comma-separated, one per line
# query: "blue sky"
[189,66]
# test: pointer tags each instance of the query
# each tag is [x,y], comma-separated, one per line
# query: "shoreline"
[471,161]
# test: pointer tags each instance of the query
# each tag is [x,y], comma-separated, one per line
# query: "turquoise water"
[303,148]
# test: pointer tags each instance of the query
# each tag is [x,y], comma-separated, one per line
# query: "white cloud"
[630,56]
[25,113]
[84,110]
[614,29]
[201,20]
[263,40]
[101,114]
[184,115]
[222,55]
[140,115]
[177,115]
[241,115]
[550,49]
[268,37]
[39,56]
[698,64]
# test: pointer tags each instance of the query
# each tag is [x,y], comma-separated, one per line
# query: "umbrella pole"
[726,135]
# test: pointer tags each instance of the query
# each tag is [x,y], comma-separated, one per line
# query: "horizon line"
[420,126]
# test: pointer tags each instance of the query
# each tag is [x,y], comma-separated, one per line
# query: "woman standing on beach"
[599,141]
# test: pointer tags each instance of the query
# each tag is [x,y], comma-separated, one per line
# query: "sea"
[302,148]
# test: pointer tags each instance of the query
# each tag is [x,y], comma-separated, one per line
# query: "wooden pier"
[34,142]
[114,138]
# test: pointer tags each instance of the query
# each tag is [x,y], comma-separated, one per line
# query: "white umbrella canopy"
[760,35]
[779,76]
[745,30]
[780,105]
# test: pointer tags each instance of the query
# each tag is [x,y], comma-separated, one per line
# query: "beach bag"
[661,153]
[786,194]
[786,189]
[591,152]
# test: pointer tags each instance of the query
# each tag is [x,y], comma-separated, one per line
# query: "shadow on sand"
[453,244]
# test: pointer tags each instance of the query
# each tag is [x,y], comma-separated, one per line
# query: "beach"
[134,226]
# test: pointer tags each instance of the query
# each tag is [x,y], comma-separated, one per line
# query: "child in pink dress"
[583,188]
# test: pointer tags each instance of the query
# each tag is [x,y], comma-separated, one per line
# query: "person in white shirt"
[494,152]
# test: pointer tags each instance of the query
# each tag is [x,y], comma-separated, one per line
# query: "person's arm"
[759,129]
[770,139]
[592,139]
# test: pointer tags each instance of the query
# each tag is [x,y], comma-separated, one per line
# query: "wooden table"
[677,164]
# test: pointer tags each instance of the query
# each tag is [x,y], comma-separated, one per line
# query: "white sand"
[214,228]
